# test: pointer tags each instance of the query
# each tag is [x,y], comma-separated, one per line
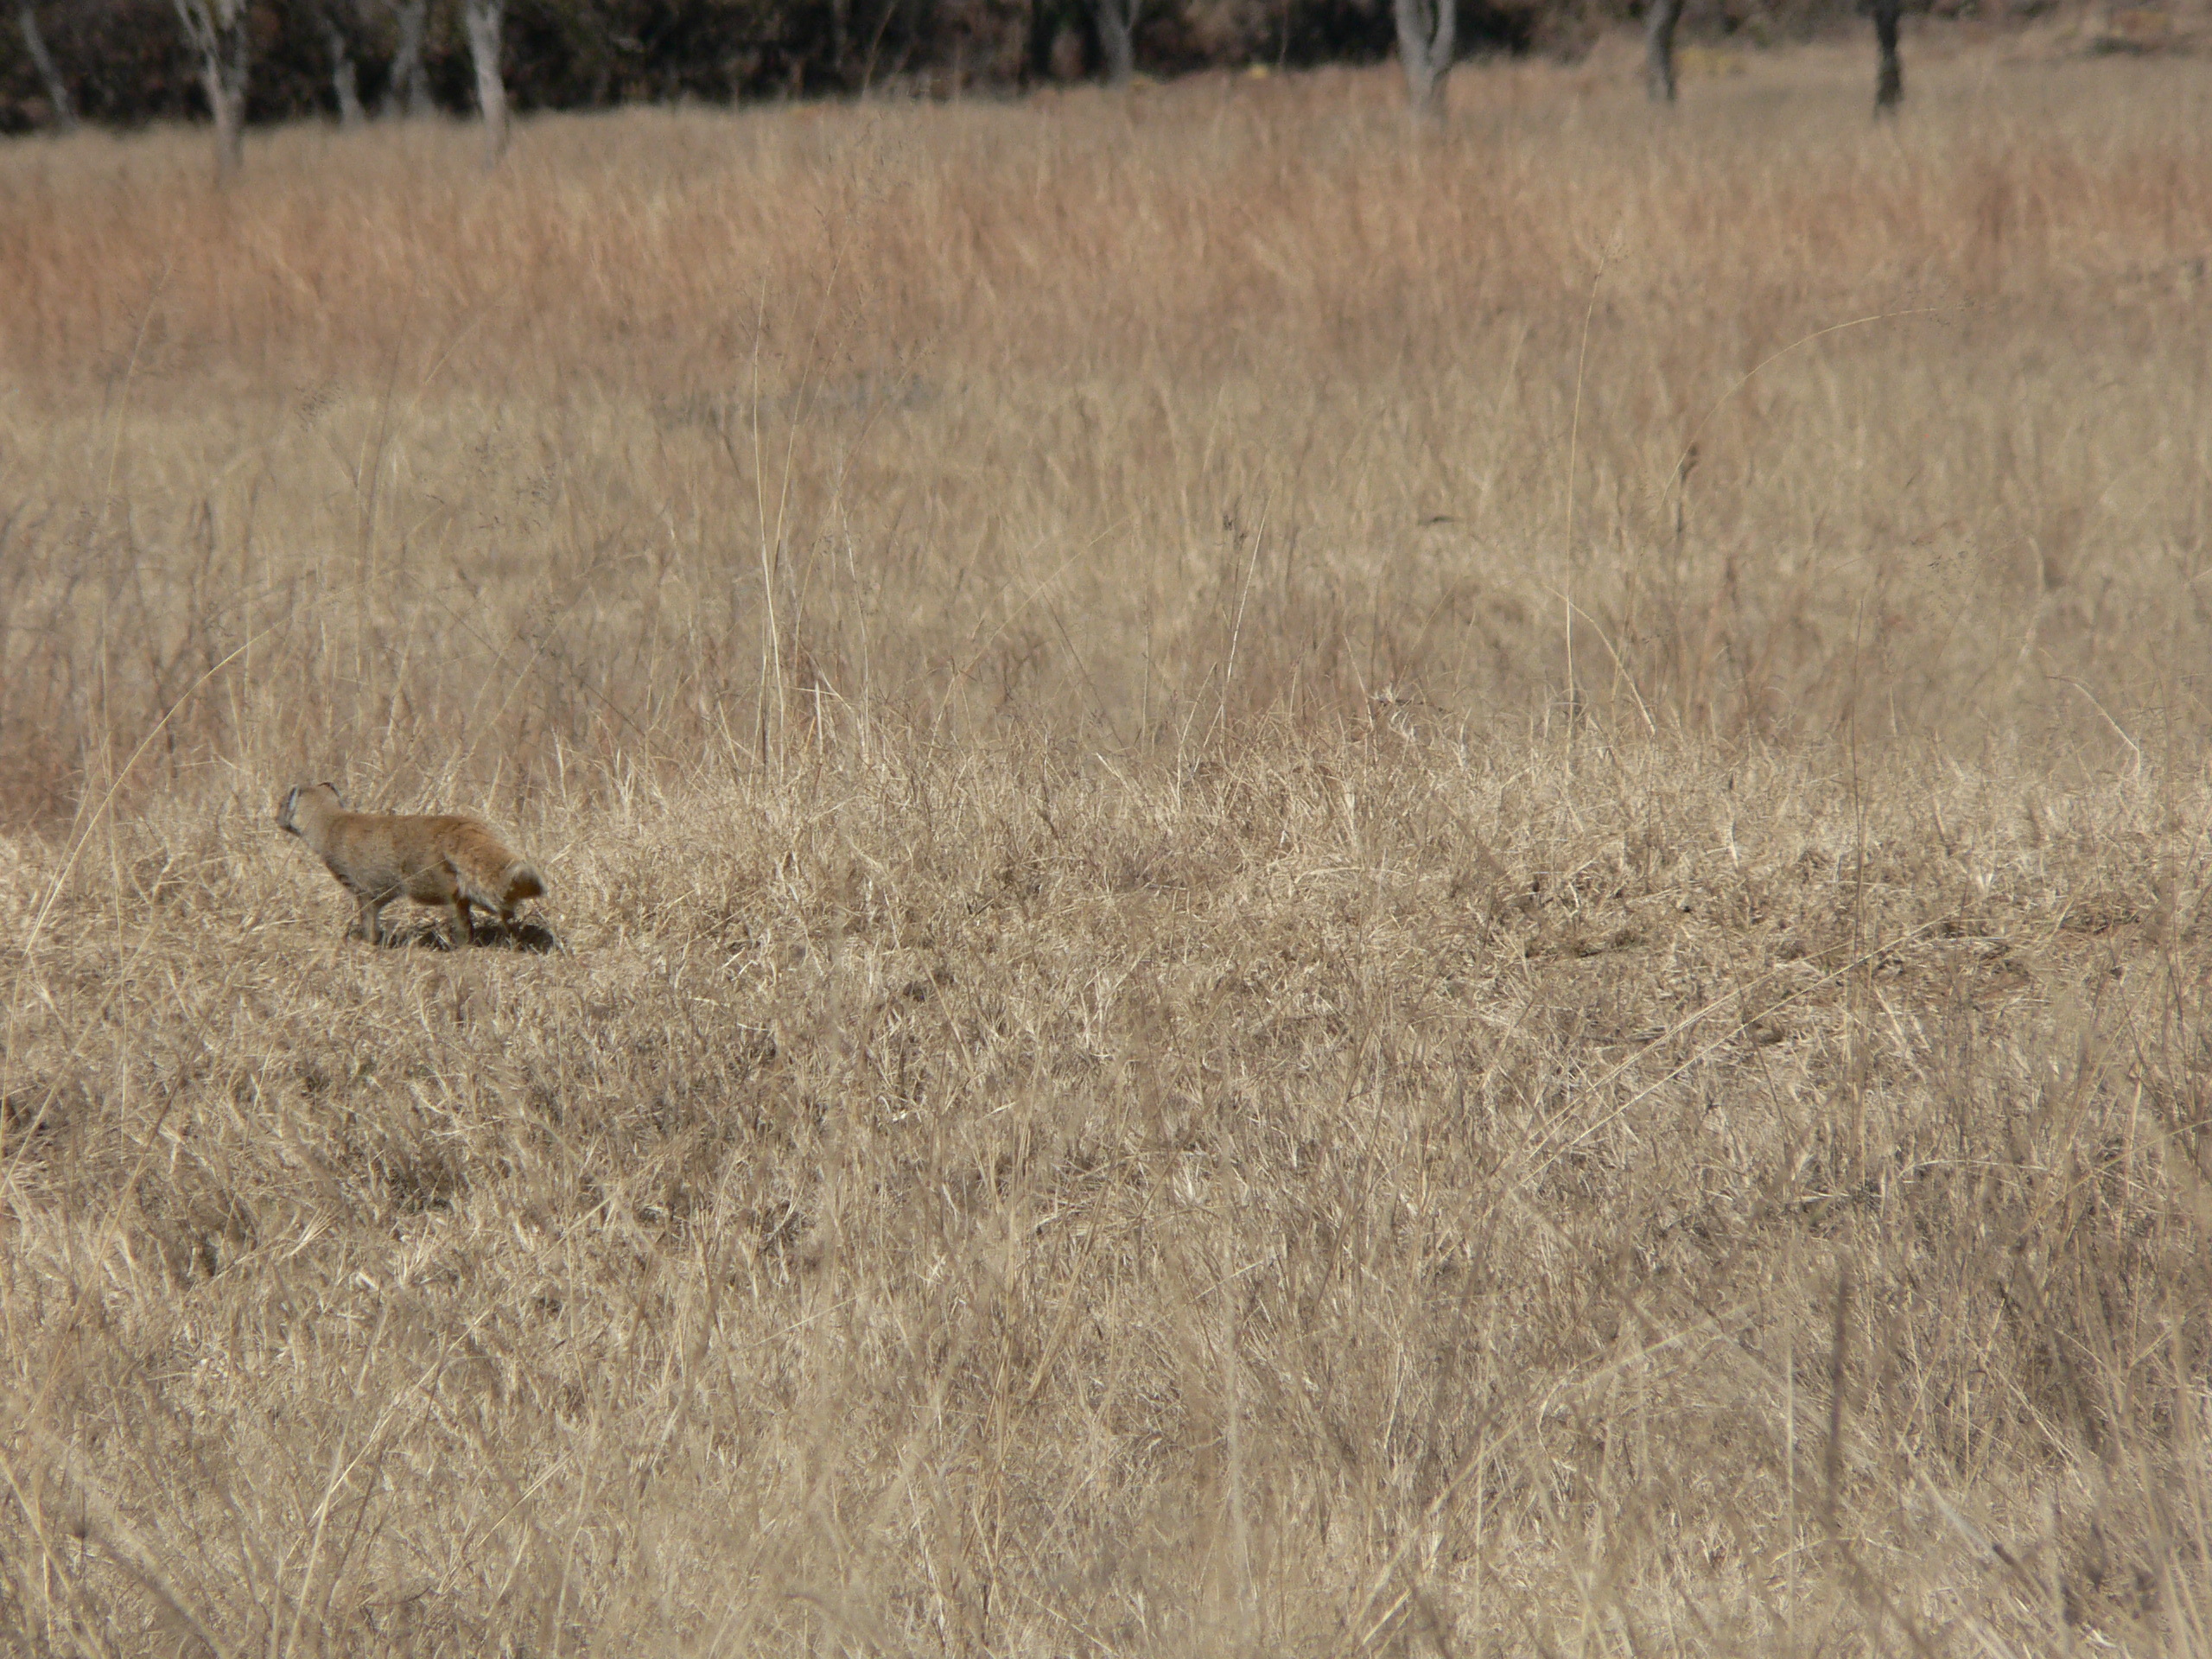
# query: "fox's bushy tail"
[493,877]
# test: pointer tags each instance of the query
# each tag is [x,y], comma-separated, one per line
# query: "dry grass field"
[1315,894]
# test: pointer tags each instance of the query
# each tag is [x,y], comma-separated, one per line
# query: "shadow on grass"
[533,938]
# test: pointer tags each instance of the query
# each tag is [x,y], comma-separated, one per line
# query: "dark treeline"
[125,62]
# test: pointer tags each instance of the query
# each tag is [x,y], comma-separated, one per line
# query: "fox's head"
[288,815]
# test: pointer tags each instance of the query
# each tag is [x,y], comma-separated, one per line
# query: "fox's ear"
[334,795]
[291,800]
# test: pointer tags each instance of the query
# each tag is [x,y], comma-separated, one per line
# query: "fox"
[447,859]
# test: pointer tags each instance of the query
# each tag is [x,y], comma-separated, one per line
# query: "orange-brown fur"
[447,859]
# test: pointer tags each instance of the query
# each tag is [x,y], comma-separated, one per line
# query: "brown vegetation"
[1322,893]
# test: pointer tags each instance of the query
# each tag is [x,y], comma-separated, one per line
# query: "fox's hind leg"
[372,920]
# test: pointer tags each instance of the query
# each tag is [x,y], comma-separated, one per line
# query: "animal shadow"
[534,938]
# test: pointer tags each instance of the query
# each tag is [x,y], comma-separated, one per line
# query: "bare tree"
[482,18]
[1117,28]
[1659,49]
[57,90]
[1426,31]
[217,30]
[1659,53]
[408,93]
[345,81]
[1889,83]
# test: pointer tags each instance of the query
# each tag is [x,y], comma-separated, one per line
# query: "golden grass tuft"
[1316,894]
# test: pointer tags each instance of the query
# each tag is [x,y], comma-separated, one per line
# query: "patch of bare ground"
[1311,894]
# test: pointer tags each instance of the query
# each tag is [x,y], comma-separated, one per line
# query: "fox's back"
[386,853]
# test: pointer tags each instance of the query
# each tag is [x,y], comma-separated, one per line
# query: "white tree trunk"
[1117,27]
[1659,49]
[410,91]
[482,17]
[345,81]
[1426,31]
[217,30]
[57,90]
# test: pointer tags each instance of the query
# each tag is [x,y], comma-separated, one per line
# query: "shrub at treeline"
[128,60]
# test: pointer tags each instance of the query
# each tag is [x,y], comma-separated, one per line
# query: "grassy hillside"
[1315,894]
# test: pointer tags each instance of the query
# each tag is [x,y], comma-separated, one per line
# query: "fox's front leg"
[372,920]
[463,934]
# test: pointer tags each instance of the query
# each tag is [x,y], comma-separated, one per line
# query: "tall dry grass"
[1017,410]
[1321,894]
